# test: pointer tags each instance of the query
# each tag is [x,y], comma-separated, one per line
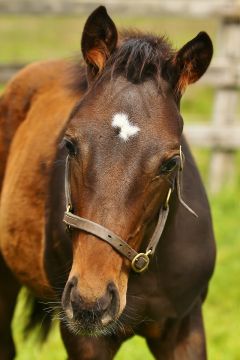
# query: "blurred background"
[33,30]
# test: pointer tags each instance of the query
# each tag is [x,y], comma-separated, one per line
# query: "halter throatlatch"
[178,185]
[139,261]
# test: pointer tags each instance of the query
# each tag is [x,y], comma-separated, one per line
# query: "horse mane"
[138,57]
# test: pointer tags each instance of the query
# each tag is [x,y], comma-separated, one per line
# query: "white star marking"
[127,129]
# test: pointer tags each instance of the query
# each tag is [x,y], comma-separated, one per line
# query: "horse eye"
[71,147]
[170,165]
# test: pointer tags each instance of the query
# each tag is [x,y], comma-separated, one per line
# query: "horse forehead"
[132,98]
[126,111]
[137,103]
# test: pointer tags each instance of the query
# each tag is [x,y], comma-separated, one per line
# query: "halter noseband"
[139,261]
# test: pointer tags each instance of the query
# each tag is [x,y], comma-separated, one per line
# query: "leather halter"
[139,261]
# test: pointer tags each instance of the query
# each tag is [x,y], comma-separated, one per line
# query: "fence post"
[225,106]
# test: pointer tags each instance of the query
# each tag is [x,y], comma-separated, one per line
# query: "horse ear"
[99,40]
[192,60]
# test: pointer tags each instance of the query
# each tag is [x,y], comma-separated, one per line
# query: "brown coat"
[35,104]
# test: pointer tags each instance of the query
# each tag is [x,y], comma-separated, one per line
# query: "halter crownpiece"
[139,261]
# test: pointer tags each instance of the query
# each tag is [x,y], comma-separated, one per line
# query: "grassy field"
[28,38]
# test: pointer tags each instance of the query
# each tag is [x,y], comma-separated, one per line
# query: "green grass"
[29,38]
[221,310]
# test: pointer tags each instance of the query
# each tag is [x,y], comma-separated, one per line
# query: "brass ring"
[145,257]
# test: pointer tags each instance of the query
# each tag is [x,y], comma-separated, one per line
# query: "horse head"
[123,141]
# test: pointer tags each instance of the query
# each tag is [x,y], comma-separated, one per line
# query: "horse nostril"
[110,305]
[66,296]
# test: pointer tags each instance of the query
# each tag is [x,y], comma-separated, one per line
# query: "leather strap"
[139,261]
[101,232]
[163,214]
[67,186]
[114,240]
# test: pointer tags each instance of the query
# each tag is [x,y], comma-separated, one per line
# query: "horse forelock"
[140,57]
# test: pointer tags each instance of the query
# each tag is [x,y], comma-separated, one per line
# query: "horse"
[103,212]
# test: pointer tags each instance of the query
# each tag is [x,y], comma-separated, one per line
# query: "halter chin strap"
[139,261]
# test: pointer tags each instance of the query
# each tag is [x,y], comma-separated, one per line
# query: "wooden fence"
[222,134]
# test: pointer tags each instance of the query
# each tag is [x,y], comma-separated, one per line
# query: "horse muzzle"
[89,317]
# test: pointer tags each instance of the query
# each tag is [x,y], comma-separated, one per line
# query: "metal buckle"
[68,210]
[144,256]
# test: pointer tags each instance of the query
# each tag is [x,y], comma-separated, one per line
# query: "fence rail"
[222,135]
[195,8]
[9,70]
[222,138]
